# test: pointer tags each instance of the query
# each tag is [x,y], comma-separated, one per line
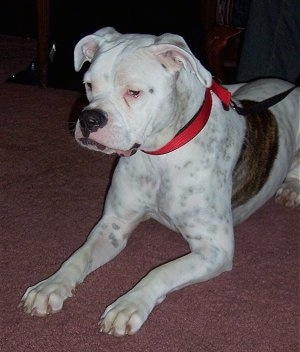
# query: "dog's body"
[142,90]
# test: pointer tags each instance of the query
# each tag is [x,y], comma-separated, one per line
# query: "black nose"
[90,120]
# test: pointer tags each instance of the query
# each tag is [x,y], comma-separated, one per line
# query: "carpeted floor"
[52,193]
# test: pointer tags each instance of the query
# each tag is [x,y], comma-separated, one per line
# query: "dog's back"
[270,147]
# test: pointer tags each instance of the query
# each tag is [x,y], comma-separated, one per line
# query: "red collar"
[196,124]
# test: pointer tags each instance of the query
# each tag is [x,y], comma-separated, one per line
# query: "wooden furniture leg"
[43,11]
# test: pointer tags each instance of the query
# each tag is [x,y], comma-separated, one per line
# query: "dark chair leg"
[43,10]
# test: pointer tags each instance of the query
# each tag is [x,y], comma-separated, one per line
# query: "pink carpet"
[52,193]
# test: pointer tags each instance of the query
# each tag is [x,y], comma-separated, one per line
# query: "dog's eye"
[134,93]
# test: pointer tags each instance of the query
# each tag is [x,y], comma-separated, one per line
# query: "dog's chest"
[183,183]
[168,191]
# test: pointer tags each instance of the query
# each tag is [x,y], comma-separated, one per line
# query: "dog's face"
[138,87]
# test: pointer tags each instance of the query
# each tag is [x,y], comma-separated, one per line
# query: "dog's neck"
[190,95]
[194,125]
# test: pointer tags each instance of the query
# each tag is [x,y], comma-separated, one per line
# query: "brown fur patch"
[257,155]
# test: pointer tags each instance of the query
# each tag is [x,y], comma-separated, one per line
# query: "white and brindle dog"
[149,97]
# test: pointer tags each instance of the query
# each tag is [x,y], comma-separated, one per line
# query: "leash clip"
[237,108]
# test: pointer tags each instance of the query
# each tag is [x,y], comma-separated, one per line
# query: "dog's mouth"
[87,142]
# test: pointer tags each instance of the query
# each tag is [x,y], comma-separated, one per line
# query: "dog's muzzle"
[91,120]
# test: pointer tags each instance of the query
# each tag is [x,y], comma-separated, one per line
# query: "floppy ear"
[173,52]
[88,46]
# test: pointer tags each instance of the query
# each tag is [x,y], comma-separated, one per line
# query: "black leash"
[261,105]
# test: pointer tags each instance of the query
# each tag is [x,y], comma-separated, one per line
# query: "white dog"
[189,160]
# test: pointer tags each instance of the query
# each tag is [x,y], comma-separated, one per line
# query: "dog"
[188,159]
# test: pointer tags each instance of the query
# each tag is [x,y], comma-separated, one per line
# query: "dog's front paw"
[288,194]
[126,315]
[44,298]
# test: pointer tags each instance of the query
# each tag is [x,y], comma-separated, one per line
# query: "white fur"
[187,190]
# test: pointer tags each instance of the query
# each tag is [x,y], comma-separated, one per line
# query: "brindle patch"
[257,155]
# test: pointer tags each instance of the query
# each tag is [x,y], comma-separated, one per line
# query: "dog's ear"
[88,46]
[173,51]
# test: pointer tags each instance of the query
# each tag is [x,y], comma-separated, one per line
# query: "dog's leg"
[106,240]
[288,194]
[209,258]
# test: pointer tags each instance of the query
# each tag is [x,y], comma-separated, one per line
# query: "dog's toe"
[44,298]
[125,316]
[288,194]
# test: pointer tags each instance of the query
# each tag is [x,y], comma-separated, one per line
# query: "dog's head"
[141,89]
